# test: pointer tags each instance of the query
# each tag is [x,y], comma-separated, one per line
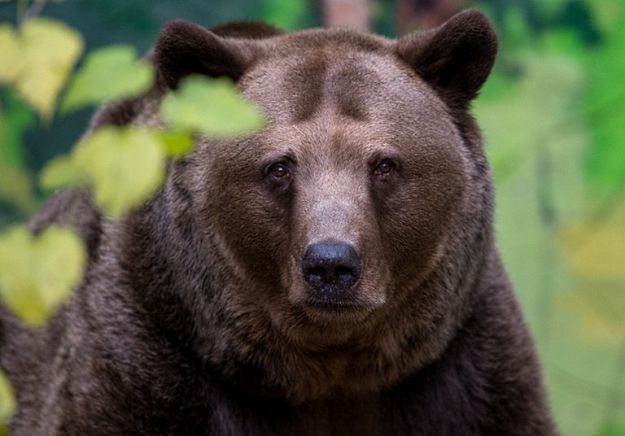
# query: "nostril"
[331,267]
[342,274]
[319,271]
[316,274]
[343,271]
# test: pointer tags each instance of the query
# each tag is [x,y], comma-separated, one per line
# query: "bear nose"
[331,267]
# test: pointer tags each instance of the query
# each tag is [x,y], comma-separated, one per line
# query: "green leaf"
[176,144]
[211,107]
[48,50]
[9,54]
[16,187]
[110,73]
[16,119]
[16,184]
[61,172]
[7,403]
[124,167]
[37,274]
[604,99]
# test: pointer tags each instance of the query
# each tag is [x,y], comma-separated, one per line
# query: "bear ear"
[455,58]
[185,48]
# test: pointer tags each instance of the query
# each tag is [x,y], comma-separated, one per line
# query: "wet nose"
[331,267]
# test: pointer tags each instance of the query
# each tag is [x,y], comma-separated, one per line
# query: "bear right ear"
[455,58]
[185,48]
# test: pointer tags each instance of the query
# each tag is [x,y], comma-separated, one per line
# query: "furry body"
[194,318]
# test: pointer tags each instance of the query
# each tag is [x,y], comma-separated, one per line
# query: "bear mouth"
[335,306]
[328,310]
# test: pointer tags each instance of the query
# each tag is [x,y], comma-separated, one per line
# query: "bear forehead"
[296,42]
[347,74]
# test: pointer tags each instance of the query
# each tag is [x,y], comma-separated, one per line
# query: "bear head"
[353,225]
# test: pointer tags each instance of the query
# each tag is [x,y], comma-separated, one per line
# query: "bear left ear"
[455,58]
[185,48]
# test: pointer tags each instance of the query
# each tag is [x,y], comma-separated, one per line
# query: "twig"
[36,9]
[20,10]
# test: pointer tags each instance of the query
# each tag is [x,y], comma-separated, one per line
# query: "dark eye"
[279,171]
[384,168]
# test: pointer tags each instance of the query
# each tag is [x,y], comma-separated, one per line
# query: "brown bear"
[334,274]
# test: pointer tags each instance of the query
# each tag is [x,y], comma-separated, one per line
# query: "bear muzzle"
[331,270]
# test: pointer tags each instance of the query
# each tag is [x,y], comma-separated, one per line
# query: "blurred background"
[553,115]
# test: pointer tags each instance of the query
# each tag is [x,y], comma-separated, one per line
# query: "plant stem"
[21,8]
[36,9]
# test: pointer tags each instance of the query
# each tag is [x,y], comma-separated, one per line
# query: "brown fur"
[194,317]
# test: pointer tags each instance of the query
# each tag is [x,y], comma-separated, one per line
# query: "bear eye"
[384,168]
[279,171]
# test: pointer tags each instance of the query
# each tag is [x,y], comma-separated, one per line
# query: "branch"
[35,9]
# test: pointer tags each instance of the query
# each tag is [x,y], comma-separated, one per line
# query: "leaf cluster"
[122,166]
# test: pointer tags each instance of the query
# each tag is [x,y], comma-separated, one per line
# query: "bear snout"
[331,269]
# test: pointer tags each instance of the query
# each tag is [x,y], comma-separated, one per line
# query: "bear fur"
[193,317]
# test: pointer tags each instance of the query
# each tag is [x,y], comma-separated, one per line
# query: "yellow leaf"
[212,107]
[124,167]
[48,50]
[16,186]
[10,56]
[92,84]
[176,144]
[7,400]
[60,172]
[37,274]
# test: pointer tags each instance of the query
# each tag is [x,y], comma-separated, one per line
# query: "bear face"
[350,231]
[349,158]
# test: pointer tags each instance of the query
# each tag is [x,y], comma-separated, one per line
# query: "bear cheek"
[418,219]
[253,230]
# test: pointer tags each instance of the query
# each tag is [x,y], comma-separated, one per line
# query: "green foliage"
[16,119]
[94,84]
[542,99]
[211,107]
[176,143]
[285,14]
[108,159]
[604,102]
[10,43]
[37,274]
[613,429]
[7,404]
[16,185]
[554,130]
[123,167]
[37,60]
